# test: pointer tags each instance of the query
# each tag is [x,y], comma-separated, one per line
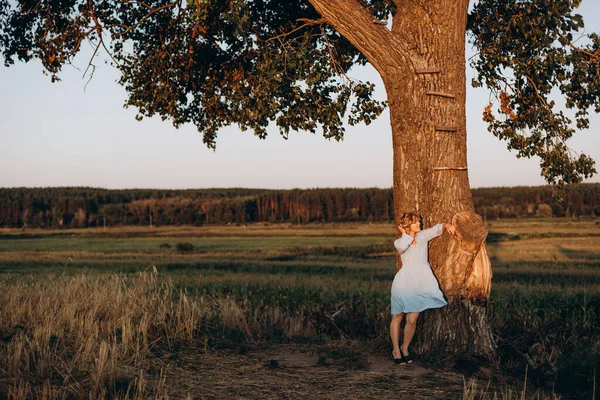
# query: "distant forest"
[89,207]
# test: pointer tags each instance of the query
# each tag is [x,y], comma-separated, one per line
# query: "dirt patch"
[287,356]
[304,371]
[294,372]
[340,357]
[251,377]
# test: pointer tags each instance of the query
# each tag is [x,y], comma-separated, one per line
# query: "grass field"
[79,317]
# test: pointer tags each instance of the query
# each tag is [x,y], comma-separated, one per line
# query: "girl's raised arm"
[432,232]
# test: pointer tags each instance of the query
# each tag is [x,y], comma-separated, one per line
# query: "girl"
[415,288]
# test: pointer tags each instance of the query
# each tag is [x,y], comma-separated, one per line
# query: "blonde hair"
[407,219]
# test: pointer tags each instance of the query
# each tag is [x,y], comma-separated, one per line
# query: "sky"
[70,134]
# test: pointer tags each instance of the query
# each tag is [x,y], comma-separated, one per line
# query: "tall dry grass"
[476,390]
[93,337]
[86,337]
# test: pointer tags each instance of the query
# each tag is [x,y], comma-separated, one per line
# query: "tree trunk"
[422,64]
[427,108]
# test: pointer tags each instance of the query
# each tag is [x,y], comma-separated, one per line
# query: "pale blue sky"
[60,135]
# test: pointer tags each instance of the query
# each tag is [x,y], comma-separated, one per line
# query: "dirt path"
[294,372]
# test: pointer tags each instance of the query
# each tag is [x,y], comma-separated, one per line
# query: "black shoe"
[398,360]
[407,359]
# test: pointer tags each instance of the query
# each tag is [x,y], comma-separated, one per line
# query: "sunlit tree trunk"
[422,64]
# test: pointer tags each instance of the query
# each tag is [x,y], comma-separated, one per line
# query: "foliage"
[89,207]
[544,210]
[214,63]
[209,63]
[527,52]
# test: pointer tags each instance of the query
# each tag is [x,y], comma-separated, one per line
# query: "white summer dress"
[415,288]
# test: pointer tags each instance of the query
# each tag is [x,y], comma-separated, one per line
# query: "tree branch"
[99,30]
[153,11]
[307,22]
[355,23]
[593,56]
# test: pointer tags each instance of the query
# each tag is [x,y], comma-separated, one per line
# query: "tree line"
[80,207]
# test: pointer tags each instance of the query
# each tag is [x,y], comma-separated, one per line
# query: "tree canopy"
[527,51]
[213,63]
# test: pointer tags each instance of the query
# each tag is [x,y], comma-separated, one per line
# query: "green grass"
[202,244]
[545,287]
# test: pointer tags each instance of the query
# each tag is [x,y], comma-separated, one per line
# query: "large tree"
[213,63]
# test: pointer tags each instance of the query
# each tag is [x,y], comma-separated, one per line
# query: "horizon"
[290,189]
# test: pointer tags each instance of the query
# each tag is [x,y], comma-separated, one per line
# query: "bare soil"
[307,371]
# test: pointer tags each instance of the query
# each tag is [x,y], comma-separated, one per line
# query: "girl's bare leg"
[395,334]
[409,330]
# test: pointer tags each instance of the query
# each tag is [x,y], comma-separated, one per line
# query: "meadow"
[172,312]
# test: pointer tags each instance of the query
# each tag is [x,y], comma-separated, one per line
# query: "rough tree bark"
[421,61]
